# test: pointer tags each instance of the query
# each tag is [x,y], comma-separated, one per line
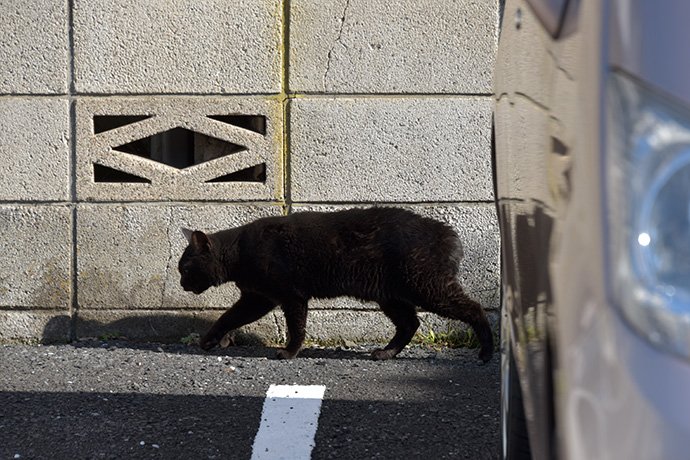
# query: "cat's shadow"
[103,335]
[106,335]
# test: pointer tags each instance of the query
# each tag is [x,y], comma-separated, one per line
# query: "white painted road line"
[288,422]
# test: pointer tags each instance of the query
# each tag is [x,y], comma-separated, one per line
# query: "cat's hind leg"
[451,302]
[404,317]
[248,308]
[296,322]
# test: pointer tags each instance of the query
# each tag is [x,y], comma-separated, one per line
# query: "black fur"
[387,255]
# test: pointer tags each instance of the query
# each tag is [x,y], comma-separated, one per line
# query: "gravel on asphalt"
[120,400]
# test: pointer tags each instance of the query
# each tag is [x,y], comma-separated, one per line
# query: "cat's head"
[199,266]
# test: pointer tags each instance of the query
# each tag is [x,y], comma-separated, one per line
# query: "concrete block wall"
[121,122]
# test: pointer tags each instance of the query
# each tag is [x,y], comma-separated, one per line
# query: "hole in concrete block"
[103,123]
[256,173]
[105,174]
[256,123]
[180,148]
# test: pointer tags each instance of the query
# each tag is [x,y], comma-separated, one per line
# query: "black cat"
[388,255]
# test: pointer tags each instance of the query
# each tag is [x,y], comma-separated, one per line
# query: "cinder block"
[357,326]
[269,330]
[34,149]
[37,253]
[34,45]
[401,46]
[122,256]
[156,325]
[179,149]
[128,254]
[203,47]
[477,227]
[367,326]
[407,149]
[43,326]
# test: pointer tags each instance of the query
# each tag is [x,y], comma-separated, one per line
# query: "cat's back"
[362,218]
[398,229]
[390,229]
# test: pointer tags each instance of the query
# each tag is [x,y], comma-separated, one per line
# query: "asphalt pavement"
[122,400]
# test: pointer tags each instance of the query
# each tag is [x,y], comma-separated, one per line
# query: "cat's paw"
[486,353]
[282,353]
[207,343]
[381,354]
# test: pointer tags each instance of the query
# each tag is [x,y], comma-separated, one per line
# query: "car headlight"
[647,179]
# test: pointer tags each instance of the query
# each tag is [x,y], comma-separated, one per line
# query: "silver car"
[592,181]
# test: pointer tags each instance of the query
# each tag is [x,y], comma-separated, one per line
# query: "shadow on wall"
[168,327]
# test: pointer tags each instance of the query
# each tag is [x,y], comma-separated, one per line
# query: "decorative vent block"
[179,149]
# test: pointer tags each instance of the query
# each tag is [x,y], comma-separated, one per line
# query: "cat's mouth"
[196,291]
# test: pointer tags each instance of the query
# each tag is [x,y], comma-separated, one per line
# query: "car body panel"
[613,395]
[647,40]
[550,13]
[533,186]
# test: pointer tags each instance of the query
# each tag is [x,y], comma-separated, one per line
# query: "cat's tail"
[450,301]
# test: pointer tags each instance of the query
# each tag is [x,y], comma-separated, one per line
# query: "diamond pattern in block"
[171,149]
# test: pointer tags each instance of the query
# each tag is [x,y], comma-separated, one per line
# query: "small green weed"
[109,336]
[450,339]
[191,339]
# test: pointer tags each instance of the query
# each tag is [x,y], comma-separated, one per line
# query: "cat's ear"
[201,241]
[187,234]
[197,239]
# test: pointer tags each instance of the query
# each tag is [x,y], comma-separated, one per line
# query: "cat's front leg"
[296,322]
[249,308]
